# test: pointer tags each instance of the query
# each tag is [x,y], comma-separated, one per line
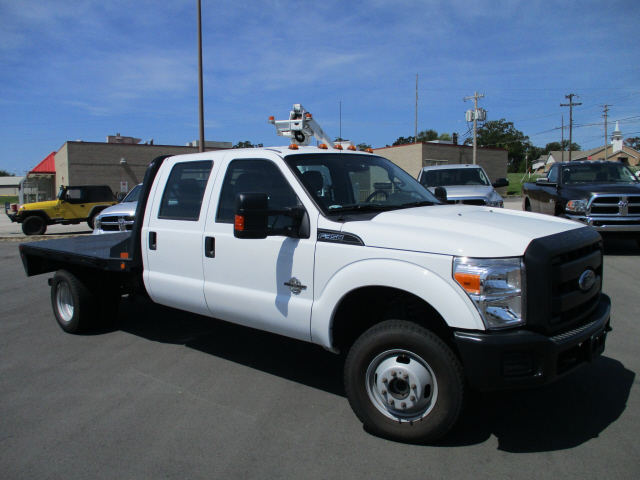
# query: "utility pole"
[415,139]
[476,97]
[606,116]
[570,105]
[200,89]
[562,142]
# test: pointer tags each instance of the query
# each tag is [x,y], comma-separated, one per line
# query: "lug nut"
[384,380]
[393,374]
[391,402]
[413,386]
[405,375]
[384,392]
[403,405]
[412,398]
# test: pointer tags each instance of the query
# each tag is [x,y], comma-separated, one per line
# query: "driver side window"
[553,175]
[256,176]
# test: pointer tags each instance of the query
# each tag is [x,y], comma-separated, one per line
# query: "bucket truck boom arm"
[301,127]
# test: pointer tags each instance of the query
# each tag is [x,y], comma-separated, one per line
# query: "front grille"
[469,201]
[612,205]
[554,266]
[117,223]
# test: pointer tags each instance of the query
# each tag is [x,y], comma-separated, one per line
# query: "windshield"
[357,182]
[133,194]
[445,177]
[606,172]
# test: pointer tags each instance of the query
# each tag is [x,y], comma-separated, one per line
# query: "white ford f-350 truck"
[346,250]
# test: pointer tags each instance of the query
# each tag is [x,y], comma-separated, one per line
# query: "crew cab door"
[172,237]
[549,193]
[245,278]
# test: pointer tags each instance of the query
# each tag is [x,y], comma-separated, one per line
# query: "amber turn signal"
[239,223]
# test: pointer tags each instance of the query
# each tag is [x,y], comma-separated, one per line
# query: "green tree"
[427,135]
[404,141]
[633,142]
[363,146]
[246,144]
[558,146]
[503,134]
[4,173]
[445,136]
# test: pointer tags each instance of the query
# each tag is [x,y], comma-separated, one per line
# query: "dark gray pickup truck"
[603,195]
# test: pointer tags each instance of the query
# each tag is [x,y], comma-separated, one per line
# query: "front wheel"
[404,383]
[34,225]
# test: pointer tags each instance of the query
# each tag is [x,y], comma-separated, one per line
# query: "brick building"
[412,157]
[120,163]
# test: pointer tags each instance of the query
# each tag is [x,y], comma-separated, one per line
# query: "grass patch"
[516,180]
[8,198]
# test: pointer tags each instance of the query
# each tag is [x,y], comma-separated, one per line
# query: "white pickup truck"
[346,250]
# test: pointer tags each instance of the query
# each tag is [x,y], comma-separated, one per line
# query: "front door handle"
[210,247]
[152,241]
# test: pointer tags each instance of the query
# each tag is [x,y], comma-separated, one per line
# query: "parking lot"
[175,395]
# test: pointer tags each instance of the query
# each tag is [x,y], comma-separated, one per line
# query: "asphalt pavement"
[167,394]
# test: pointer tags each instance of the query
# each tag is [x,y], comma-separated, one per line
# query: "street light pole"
[200,88]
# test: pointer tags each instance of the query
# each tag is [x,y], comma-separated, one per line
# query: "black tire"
[527,206]
[80,305]
[74,306]
[34,225]
[91,222]
[417,408]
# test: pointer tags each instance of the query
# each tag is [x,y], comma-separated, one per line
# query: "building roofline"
[440,145]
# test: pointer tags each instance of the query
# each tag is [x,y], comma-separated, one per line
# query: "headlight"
[577,206]
[499,203]
[97,224]
[497,288]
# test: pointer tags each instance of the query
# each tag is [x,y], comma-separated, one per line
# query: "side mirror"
[441,194]
[251,215]
[120,196]
[544,181]
[501,182]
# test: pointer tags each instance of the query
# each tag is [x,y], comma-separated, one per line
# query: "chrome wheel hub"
[401,385]
[64,301]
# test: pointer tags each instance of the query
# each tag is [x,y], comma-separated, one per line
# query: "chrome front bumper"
[611,223]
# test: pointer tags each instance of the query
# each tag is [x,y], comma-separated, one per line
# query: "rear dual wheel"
[80,306]
[404,383]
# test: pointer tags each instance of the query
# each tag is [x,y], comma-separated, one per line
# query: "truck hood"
[39,205]
[585,191]
[459,192]
[458,230]
[125,208]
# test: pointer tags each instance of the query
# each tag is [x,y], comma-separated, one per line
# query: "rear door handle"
[152,241]
[210,247]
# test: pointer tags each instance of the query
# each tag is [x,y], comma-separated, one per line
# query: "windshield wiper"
[422,203]
[364,208]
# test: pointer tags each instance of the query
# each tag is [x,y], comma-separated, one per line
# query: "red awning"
[48,165]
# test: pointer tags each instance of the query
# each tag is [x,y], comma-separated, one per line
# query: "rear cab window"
[184,191]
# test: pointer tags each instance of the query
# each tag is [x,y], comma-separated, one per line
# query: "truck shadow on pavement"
[618,246]
[559,416]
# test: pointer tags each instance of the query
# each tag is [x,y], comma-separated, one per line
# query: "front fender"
[449,300]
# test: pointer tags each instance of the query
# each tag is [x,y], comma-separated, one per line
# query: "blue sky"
[85,69]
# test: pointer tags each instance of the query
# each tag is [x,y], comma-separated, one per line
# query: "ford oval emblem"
[587,279]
